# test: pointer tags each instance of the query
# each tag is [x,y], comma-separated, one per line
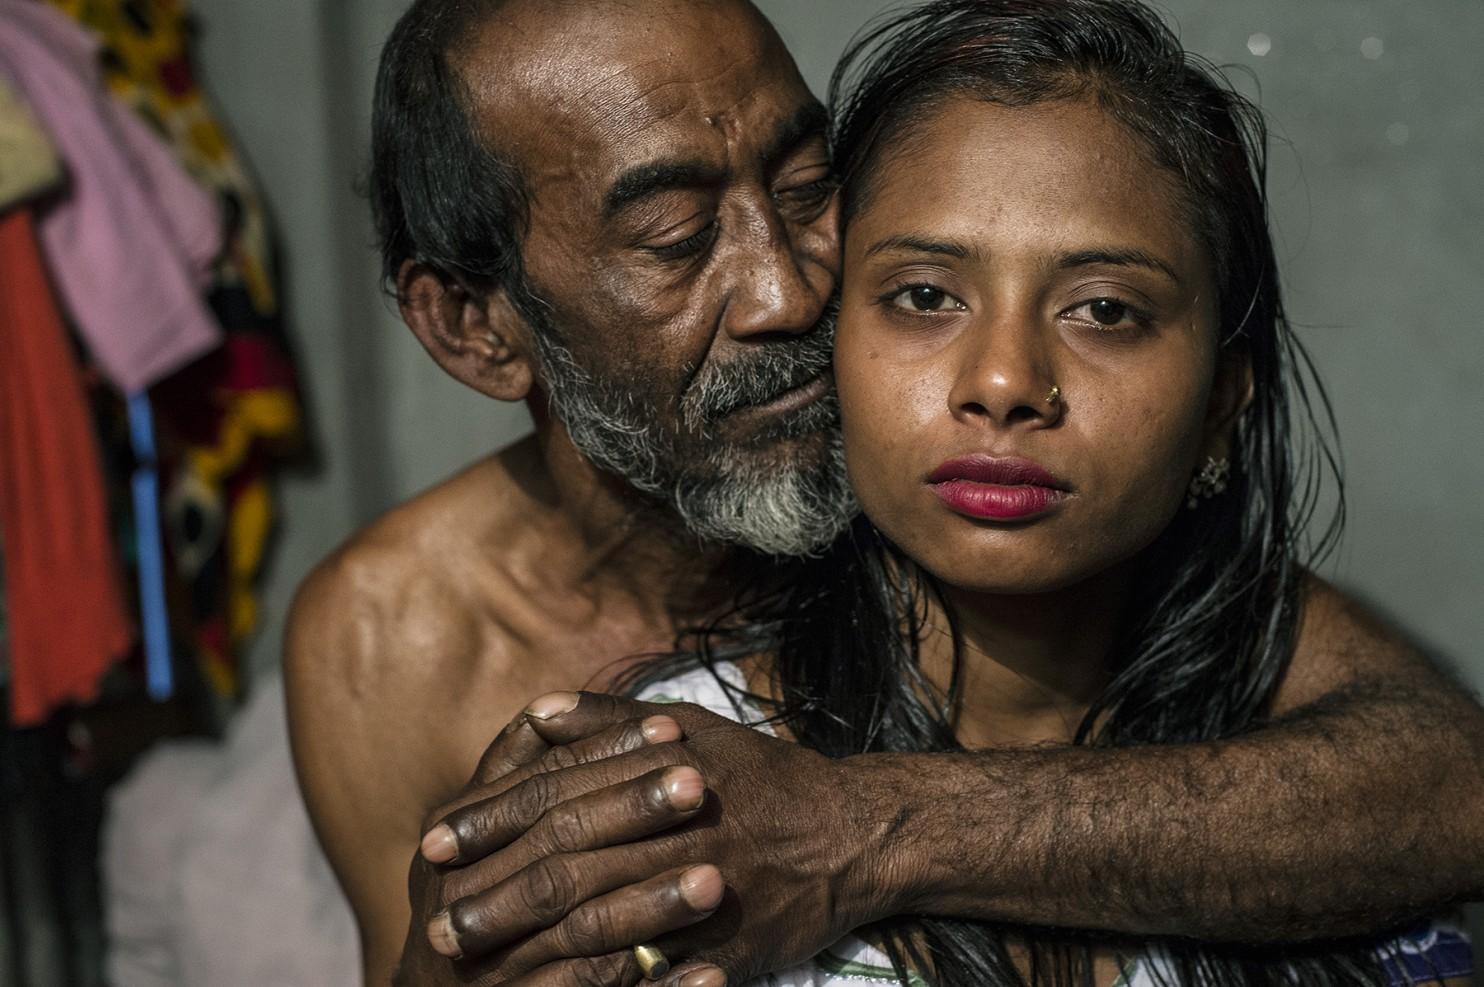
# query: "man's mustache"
[771,370]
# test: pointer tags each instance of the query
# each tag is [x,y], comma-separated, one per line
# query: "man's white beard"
[726,493]
[792,509]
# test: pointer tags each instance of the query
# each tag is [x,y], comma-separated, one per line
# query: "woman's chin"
[994,575]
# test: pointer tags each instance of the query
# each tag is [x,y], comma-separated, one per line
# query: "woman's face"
[1027,353]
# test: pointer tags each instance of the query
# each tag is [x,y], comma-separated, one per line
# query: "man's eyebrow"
[808,122]
[642,181]
[912,243]
[1117,257]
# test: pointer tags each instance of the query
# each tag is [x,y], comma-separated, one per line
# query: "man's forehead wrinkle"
[632,112]
[619,70]
[613,78]
[628,116]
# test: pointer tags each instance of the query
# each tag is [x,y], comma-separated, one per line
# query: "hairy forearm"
[1340,819]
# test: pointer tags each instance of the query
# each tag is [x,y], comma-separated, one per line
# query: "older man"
[622,214]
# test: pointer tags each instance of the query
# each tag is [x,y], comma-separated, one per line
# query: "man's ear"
[480,341]
[1231,395]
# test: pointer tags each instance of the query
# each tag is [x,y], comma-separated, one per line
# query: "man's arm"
[363,757]
[1362,803]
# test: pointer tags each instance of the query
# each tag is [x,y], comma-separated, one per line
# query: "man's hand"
[577,942]
[584,830]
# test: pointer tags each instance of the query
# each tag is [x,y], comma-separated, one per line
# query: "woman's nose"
[1005,377]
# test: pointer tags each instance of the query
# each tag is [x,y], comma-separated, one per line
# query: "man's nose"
[780,288]
[1004,376]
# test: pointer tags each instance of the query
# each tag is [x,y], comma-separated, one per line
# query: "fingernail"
[553,704]
[685,789]
[704,978]
[440,845]
[659,730]
[702,888]
[445,941]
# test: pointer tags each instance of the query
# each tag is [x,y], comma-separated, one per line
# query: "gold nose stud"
[1053,397]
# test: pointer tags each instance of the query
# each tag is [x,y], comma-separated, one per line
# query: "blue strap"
[154,617]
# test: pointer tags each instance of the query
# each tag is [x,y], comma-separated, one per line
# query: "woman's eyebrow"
[1117,257]
[913,243]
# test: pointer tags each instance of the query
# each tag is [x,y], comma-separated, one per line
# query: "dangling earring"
[1209,482]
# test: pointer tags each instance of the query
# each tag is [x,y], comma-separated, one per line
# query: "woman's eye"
[926,298]
[1108,313]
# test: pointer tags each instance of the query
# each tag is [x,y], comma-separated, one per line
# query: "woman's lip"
[997,502]
[996,488]
[996,471]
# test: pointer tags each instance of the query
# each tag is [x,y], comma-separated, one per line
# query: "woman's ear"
[1231,395]
[480,341]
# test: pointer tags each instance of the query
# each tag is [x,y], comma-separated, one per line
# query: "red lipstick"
[996,489]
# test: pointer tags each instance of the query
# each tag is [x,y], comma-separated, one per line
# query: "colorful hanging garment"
[66,615]
[130,242]
[227,420]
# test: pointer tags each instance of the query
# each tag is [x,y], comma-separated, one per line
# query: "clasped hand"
[596,823]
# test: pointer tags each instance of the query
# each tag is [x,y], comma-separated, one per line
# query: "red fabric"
[66,616]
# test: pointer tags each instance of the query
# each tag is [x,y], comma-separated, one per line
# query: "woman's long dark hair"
[1211,631]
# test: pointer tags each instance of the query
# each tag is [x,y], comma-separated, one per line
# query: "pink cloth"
[131,241]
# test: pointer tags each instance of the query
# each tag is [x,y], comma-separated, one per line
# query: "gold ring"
[651,961]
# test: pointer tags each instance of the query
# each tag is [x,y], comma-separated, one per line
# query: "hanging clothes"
[129,245]
[28,162]
[66,618]
[229,419]
[132,242]
[29,167]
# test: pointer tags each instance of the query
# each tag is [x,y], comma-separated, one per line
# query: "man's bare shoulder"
[405,654]
[409,615]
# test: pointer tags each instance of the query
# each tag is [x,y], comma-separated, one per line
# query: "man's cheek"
[636,291]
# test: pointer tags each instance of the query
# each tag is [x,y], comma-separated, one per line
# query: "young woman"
[1070,408]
